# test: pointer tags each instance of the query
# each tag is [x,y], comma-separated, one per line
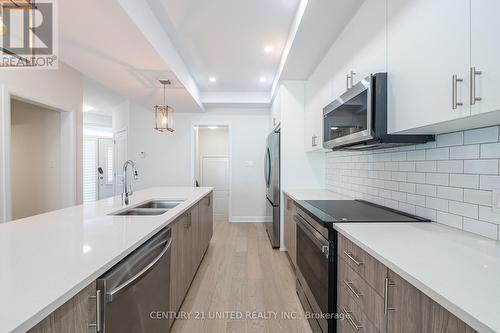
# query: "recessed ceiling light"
[268,49]
[87,108]
[212,79]
[212,127]
[262,79]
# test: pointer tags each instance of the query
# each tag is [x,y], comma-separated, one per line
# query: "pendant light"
[164,113]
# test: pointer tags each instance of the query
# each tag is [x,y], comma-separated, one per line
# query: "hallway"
[242,276]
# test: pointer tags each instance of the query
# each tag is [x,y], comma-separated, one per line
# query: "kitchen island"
[47,259]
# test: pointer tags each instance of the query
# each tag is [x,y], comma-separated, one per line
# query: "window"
[109,166]
[89,170]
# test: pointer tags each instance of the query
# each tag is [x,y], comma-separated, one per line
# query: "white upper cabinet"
[368,37]
[428,43]
[485,54]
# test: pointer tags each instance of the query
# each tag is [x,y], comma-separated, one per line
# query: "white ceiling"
[226,38]
[127,45]
[100,40]
[321,24]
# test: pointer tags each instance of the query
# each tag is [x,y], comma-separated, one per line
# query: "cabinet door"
[73,316]
[370,39]
[195,245]
[485,53]
[414,312]
[206,222]
[178,264]
[290,230]
[428,43]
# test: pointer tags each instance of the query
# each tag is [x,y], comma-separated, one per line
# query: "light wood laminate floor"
[240,273]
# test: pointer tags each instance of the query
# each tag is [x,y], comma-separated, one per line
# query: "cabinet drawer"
[369,301]
[371,270]
[355,320]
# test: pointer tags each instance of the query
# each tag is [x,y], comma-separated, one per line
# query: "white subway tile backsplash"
[481,135]
[464,152]
[437,178]
[490,182]
[451,220]
[450,139]
[416,177]
[416,155]
[487,214]
[427,166]
[490,150]
[449,181]
[477,197]
[451,193]
[429,190]
[407,166]
[484,167]
[437,154]
[481,228]
[416,199]
[437,204]
[450,166]
[466,181]
[464,209]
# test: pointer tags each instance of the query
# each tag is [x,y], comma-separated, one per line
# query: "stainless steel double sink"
[151,207]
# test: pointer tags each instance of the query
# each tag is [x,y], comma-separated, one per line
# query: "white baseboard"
[253,219]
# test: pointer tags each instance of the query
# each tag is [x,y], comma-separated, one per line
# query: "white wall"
[59,89]
[170,159]
[35,159]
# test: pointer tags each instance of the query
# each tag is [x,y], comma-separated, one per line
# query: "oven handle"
[318,239]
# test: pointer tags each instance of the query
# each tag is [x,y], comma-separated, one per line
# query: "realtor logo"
[28,34]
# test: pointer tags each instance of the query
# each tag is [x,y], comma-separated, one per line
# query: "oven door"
[313,271]
[348,119]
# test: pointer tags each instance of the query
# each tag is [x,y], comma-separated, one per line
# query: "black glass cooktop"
[351,211]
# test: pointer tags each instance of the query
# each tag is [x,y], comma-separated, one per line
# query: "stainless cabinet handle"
[386,295]
[454,91]
[97,324]
[347,81]
[473,74]
[350,319]
[209,201]
[354,260]
[351,288]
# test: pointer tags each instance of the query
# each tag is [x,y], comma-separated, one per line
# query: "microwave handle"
[313,235]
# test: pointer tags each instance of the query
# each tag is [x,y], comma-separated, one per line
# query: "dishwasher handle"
[113,294]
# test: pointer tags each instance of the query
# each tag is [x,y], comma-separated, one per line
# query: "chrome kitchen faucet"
[127,188]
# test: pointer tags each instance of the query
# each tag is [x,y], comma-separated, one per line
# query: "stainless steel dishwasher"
[135,293]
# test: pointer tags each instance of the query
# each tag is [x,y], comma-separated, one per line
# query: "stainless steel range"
[317,251]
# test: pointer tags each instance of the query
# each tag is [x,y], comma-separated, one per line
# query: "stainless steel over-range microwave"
[357,120]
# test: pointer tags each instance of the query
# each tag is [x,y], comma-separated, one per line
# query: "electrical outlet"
[496,201]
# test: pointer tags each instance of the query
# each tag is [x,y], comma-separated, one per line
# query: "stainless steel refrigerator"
[272,178]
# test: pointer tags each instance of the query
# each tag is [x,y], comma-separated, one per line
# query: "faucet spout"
[127,188]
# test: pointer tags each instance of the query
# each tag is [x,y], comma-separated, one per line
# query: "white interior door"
[215,173]
[105,169]
[120,152]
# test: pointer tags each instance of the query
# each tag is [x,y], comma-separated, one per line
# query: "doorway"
[212,165]
[36,159]
[98,166]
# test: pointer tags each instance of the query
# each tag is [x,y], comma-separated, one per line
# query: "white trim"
[68,130]
[250,219]
[229,125]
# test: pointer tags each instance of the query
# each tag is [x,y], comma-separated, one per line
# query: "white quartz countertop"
[47,259]
[314,194]
[458,270]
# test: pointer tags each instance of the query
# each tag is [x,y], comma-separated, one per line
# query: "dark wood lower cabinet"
[413,312]
[375,299]
[73,316]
